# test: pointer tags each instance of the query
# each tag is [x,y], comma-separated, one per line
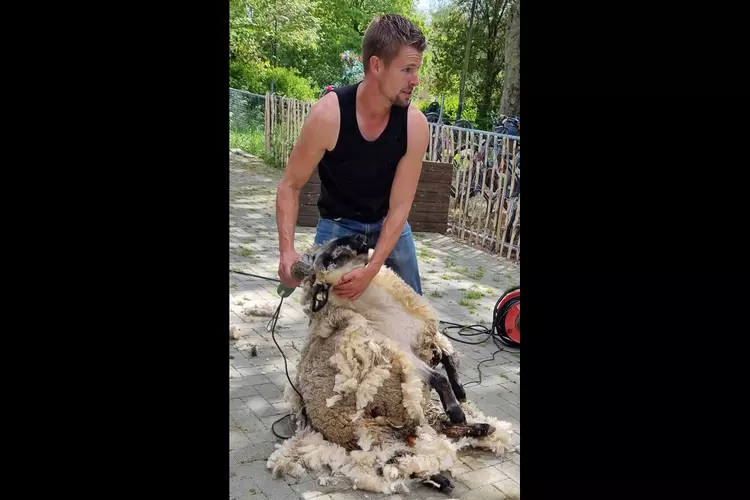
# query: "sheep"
[365,377]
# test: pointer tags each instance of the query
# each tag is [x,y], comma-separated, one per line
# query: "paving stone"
[511,470]
[486,492]
[259,406]
[481,477]
[510,488]
[241,391]
[237,404]
[270,392]
[251,452]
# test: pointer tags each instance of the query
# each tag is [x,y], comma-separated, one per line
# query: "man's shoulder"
[322,122]
[325,111]
[416,116]
[416,121]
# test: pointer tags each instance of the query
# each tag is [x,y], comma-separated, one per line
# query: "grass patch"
[254,142]
[473,295]
[477,275]
[425,254]
[437,294]
[418,236]
[250,141]
[249,240]
[246,252]
[449,277]
[471,306]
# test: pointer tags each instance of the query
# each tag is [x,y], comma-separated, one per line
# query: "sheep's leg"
[463,430]
[452,407]
[450,370]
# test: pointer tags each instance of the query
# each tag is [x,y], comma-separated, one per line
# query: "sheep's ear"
[319,296]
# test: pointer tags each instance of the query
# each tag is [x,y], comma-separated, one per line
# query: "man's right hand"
[285,269]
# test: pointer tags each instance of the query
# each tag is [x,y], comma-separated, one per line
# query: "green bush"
[288,83]
[257,77]
[451,106]
[247,77]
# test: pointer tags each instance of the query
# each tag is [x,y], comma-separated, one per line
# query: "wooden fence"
[469,187]
[485,195]
[284,119]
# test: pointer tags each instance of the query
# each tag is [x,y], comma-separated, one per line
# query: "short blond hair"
[386,34]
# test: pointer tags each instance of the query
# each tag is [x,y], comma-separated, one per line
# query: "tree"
[485,57]
[510,103]
[493,15]
[465,66]
[274,31]
[447,43]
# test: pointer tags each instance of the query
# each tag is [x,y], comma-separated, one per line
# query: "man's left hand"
[351,285]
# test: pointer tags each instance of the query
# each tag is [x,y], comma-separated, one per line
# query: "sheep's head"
[332,260]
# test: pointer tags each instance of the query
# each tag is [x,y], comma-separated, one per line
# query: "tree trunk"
[465,67]
[510,104]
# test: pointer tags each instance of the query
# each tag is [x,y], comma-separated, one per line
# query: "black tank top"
[356,177]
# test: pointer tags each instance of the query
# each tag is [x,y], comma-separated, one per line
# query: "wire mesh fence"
[247,121]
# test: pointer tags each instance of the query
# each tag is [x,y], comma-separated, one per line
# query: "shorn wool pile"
[365,376]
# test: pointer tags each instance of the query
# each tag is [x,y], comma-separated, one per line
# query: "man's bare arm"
[404,187]
[318,134]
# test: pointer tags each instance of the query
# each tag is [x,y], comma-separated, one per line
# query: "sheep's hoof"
[439,482]
[481,430]
[460,393]
[456,414]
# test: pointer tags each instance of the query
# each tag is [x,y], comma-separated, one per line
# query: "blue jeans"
[403,257]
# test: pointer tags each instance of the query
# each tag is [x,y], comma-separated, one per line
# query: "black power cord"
[255,276]
[284,293]
[495,332]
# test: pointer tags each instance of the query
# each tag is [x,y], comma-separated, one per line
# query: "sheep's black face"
[341,254]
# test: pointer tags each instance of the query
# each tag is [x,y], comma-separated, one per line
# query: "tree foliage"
[486,59]
[299,45]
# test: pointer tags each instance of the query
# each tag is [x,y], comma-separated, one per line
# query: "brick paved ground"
[461,282]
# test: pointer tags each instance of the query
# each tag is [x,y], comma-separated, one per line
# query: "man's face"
[398,80]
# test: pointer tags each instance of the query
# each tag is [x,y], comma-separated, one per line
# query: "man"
[368,142]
